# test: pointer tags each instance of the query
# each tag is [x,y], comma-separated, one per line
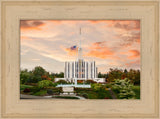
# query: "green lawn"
[136,89]
[93,94]
[40,93]
[22,86]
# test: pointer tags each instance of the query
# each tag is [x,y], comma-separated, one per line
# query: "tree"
[45,83]
[61,82]
[24,76]
[134,76]
[38,73]
[99,75]
[114,74]
[58,75]
[137,78]
[125,71]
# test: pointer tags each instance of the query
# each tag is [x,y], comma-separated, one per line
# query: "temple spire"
[79,48]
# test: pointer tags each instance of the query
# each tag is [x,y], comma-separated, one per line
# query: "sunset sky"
[111,43]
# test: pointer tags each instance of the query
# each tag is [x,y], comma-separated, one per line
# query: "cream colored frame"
[145,11]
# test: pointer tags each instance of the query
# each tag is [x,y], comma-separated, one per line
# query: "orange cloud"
[31,24]
[133,63]
[99,50]
[70,51]
[25,38]
[121,24]
[128,25]
[129,39]
[98,21]
[56,21]
[135,54]
[132,54]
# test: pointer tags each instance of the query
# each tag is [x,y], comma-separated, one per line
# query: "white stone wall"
[89,70]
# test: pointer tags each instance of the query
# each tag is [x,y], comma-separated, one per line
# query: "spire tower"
[79,48]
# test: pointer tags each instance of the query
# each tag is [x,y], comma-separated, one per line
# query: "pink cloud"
[31,24]
[133,63]
[99,50]
[134,54]
[70,51]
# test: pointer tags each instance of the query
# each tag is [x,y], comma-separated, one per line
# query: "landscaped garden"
[119,85]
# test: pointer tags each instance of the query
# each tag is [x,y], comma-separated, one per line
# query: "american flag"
[73,47]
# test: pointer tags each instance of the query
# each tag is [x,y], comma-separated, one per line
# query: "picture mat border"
[3,60]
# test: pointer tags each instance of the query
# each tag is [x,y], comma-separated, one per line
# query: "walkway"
[23,96]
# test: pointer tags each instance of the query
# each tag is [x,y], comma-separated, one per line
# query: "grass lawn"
[22,86]
[93,94]
[40,93]
[136,89]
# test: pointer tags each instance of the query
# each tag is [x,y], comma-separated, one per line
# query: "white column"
[74,70]
[89,70]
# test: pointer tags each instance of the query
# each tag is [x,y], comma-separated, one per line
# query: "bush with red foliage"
[90,82]
[26,90]
[106,98]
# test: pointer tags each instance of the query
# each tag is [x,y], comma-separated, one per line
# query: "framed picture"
[57,62]
[80,59]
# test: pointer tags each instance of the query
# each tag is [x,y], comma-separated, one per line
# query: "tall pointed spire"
[79,48]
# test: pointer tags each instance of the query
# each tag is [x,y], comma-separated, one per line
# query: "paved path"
[81,98]
[23,96]
[112,94]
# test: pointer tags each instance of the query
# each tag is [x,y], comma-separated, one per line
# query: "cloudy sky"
[111,43]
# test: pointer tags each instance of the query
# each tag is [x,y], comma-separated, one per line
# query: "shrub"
[50,91]
[85,95]
[35,89]
[98,87]
[90,82]
[83,89]
[61,82]
[26,90]
[45,83]
[108,85]
[124,88]
[32,84]
[55,84]
[106,98]
[79,81]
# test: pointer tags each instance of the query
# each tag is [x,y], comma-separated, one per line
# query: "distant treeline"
[39,74]
[132,74]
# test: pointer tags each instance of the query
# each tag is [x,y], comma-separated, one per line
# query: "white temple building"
[80,69]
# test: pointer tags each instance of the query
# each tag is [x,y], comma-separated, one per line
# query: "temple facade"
[80,69]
